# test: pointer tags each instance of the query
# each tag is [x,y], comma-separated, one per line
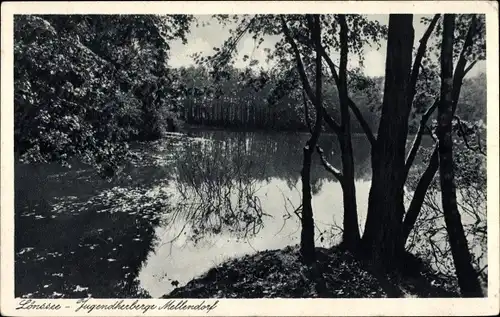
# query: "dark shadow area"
[280,274]
[77,235]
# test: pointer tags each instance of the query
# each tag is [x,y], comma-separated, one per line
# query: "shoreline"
[336,274]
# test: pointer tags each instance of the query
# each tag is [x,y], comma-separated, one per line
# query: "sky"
[205,37]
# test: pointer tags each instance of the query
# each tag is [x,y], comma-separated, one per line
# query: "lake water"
[180,208]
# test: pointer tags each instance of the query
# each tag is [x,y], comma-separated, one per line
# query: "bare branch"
[357,113]
[305,82]
[331,122]
[480,147]
[460,72]
[354,108]
[337,173]
[430,133]
[464,136]
[298,59]
[420,192]
[364,124]
[418,138]
[471,65]
[306,111]
[462,130]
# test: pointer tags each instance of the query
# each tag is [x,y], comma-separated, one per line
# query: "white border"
[261,307]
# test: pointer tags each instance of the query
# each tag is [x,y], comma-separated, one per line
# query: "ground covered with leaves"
[336,274]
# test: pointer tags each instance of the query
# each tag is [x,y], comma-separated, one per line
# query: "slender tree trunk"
[350,235]
[467,277]
[307,235]
[419,195]
[382,234]
[307,220]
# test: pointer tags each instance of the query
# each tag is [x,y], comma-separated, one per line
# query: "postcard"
[253,158]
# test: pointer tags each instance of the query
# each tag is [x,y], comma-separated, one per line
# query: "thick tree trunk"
[382,234]
[467,277]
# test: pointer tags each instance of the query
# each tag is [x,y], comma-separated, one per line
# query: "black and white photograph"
[318,155]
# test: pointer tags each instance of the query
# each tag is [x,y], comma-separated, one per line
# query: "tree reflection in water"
[218,181]
[216,190]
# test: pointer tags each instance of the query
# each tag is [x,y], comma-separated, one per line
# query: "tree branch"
[430,133]
[315,27]
[462,131]
[344,50]
[331,122]
[328,119]
[337,173]
[460,71]
[418,59]
[355,110]
[236,40]
[364,125]
[469,67]
[303,76]
[419,194]
[464,136]
[480,147]
[298,59]
[306,111]
[433,166]
[418,138]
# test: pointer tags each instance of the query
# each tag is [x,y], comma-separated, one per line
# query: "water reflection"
[181,207]
[237,193]
[216,189]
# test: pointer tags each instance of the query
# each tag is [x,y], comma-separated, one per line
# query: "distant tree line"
[246,99]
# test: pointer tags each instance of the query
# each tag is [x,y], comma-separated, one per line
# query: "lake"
[181,206]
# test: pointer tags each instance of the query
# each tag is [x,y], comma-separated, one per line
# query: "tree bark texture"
[383,229]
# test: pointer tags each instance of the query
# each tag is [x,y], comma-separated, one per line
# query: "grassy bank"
[337,274]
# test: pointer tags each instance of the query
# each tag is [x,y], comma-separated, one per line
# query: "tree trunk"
[382,234]
[307,221]
[350,234]
[419,195]
[467,277]
[425,181]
